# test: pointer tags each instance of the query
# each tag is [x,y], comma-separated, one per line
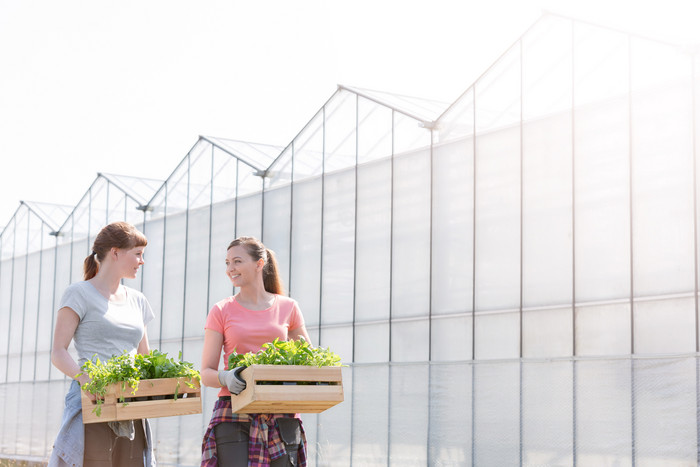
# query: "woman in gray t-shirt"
[103,318]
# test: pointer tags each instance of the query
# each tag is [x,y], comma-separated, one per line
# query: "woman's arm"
[211,354]
[295,334]
[144,348]
[67,322]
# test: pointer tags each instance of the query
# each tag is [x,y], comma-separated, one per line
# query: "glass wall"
[510,281]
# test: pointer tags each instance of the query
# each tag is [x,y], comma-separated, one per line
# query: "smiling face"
[131,260]
[241,268]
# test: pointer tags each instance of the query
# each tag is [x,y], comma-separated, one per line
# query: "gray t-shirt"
[106,328]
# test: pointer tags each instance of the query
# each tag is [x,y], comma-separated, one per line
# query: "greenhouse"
[510,279]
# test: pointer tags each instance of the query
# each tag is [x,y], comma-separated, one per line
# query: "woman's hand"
[82,379]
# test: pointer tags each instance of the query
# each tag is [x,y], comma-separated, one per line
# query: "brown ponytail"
[90,266]
[271,277]
[256,250]
[120,235]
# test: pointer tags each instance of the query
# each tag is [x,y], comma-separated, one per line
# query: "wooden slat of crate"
[274,398]
[113,410]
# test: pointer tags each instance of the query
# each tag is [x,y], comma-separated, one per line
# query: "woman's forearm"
[210,377]
[62,360]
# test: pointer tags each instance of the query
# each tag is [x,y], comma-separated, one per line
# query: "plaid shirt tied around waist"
[264,442]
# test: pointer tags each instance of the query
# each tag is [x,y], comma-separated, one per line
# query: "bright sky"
[126,87]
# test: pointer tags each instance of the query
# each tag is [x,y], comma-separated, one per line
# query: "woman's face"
[241,268]
[131,260]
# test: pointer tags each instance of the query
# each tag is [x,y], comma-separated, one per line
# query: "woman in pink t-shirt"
[257,314]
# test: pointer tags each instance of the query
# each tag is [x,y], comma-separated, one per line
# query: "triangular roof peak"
[421,109]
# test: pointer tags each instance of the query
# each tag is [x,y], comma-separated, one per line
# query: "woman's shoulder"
[134,292]
[287,302]
[225,303]
[77,288]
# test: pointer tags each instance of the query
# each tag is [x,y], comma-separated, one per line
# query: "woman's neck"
[108,284]
[255,298]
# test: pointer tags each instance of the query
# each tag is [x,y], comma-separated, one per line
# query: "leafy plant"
[127,369]
[291,352]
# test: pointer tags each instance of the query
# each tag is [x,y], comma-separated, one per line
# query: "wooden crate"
[260,396]
[189,401]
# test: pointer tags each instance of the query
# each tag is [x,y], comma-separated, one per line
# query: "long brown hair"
[256,250]
[120,235]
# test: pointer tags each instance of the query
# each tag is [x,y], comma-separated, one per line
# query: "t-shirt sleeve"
[147,311]
[296,319]
[73,299]
[215,320]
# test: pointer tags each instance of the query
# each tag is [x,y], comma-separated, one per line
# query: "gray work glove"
[232,380]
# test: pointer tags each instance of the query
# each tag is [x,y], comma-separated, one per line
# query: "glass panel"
[196,279]
[17,297]
[373,238]
[79,249]
[152,276]
[497,175]
[458,120]
[497,335]
[335,432]
[62,271]
[200,175]
[338,260]
[696,155]
[305,277]
[410,340]
[174,277]
[662,180]
[411,236]
[409,135]
[249,216]
[374,132]
[665,427]
[601,167]
[23,231]
[308,149]
[5,313]
[603,329]
[30,315]
[45,308]
[340,135]
[547,413]
[451,338]
[453,227]
[603,412]
[497,260]
[450,433]
[547,206]
[36,234]
[664,326]
[173,195]
[370,421]
[99,201]
[280,172]
[277,228]
[547,333]
[223,233]
[371,342]
[496,416]
[498,94]
[133,215]
[339,340]
[224,184]
[408,415]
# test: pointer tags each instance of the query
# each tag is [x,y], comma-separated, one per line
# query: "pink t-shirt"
[247,330]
